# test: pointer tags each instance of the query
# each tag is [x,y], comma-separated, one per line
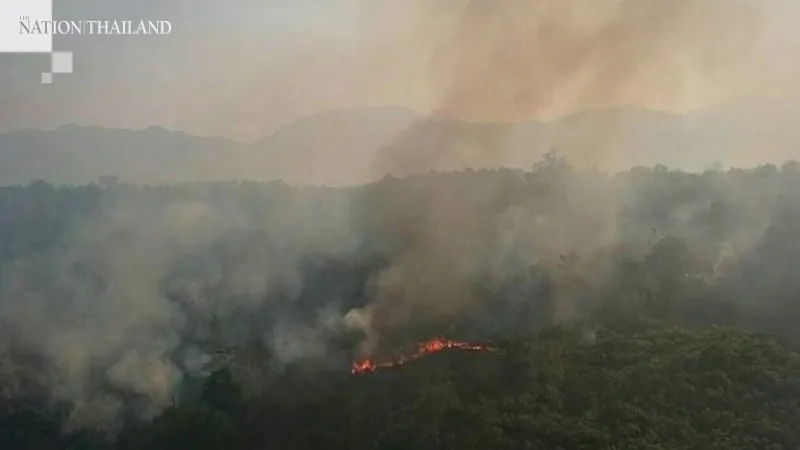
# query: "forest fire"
[426,348]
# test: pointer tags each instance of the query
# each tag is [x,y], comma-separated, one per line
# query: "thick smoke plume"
[512,60]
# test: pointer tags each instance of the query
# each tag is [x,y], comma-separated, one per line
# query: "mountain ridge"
[351,146]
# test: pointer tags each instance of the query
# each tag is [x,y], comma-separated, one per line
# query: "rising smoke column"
[511,60]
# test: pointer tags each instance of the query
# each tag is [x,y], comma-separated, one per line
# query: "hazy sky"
[245,67]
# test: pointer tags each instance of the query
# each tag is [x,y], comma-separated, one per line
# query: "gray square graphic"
[62,62]
[47,78]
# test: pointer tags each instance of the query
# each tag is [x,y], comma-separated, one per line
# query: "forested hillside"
[644,309]
[656,389]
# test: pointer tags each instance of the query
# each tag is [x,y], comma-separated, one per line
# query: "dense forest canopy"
[227,315]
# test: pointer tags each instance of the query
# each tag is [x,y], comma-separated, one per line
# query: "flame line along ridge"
[430,347]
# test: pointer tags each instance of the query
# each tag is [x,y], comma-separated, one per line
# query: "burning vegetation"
[430,347]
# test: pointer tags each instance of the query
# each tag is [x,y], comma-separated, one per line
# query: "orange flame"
[426,348]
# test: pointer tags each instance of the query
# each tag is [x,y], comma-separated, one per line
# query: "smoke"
[112,300]
[514,60]
[511,60]
[512,225]
[138,295]
[119,307]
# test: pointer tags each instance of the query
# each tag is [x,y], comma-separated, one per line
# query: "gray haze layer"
[245,68]
[113,296]
[345,147]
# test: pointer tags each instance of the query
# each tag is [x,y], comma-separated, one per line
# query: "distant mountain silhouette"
[353,146]
[335,147]
[76,155]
